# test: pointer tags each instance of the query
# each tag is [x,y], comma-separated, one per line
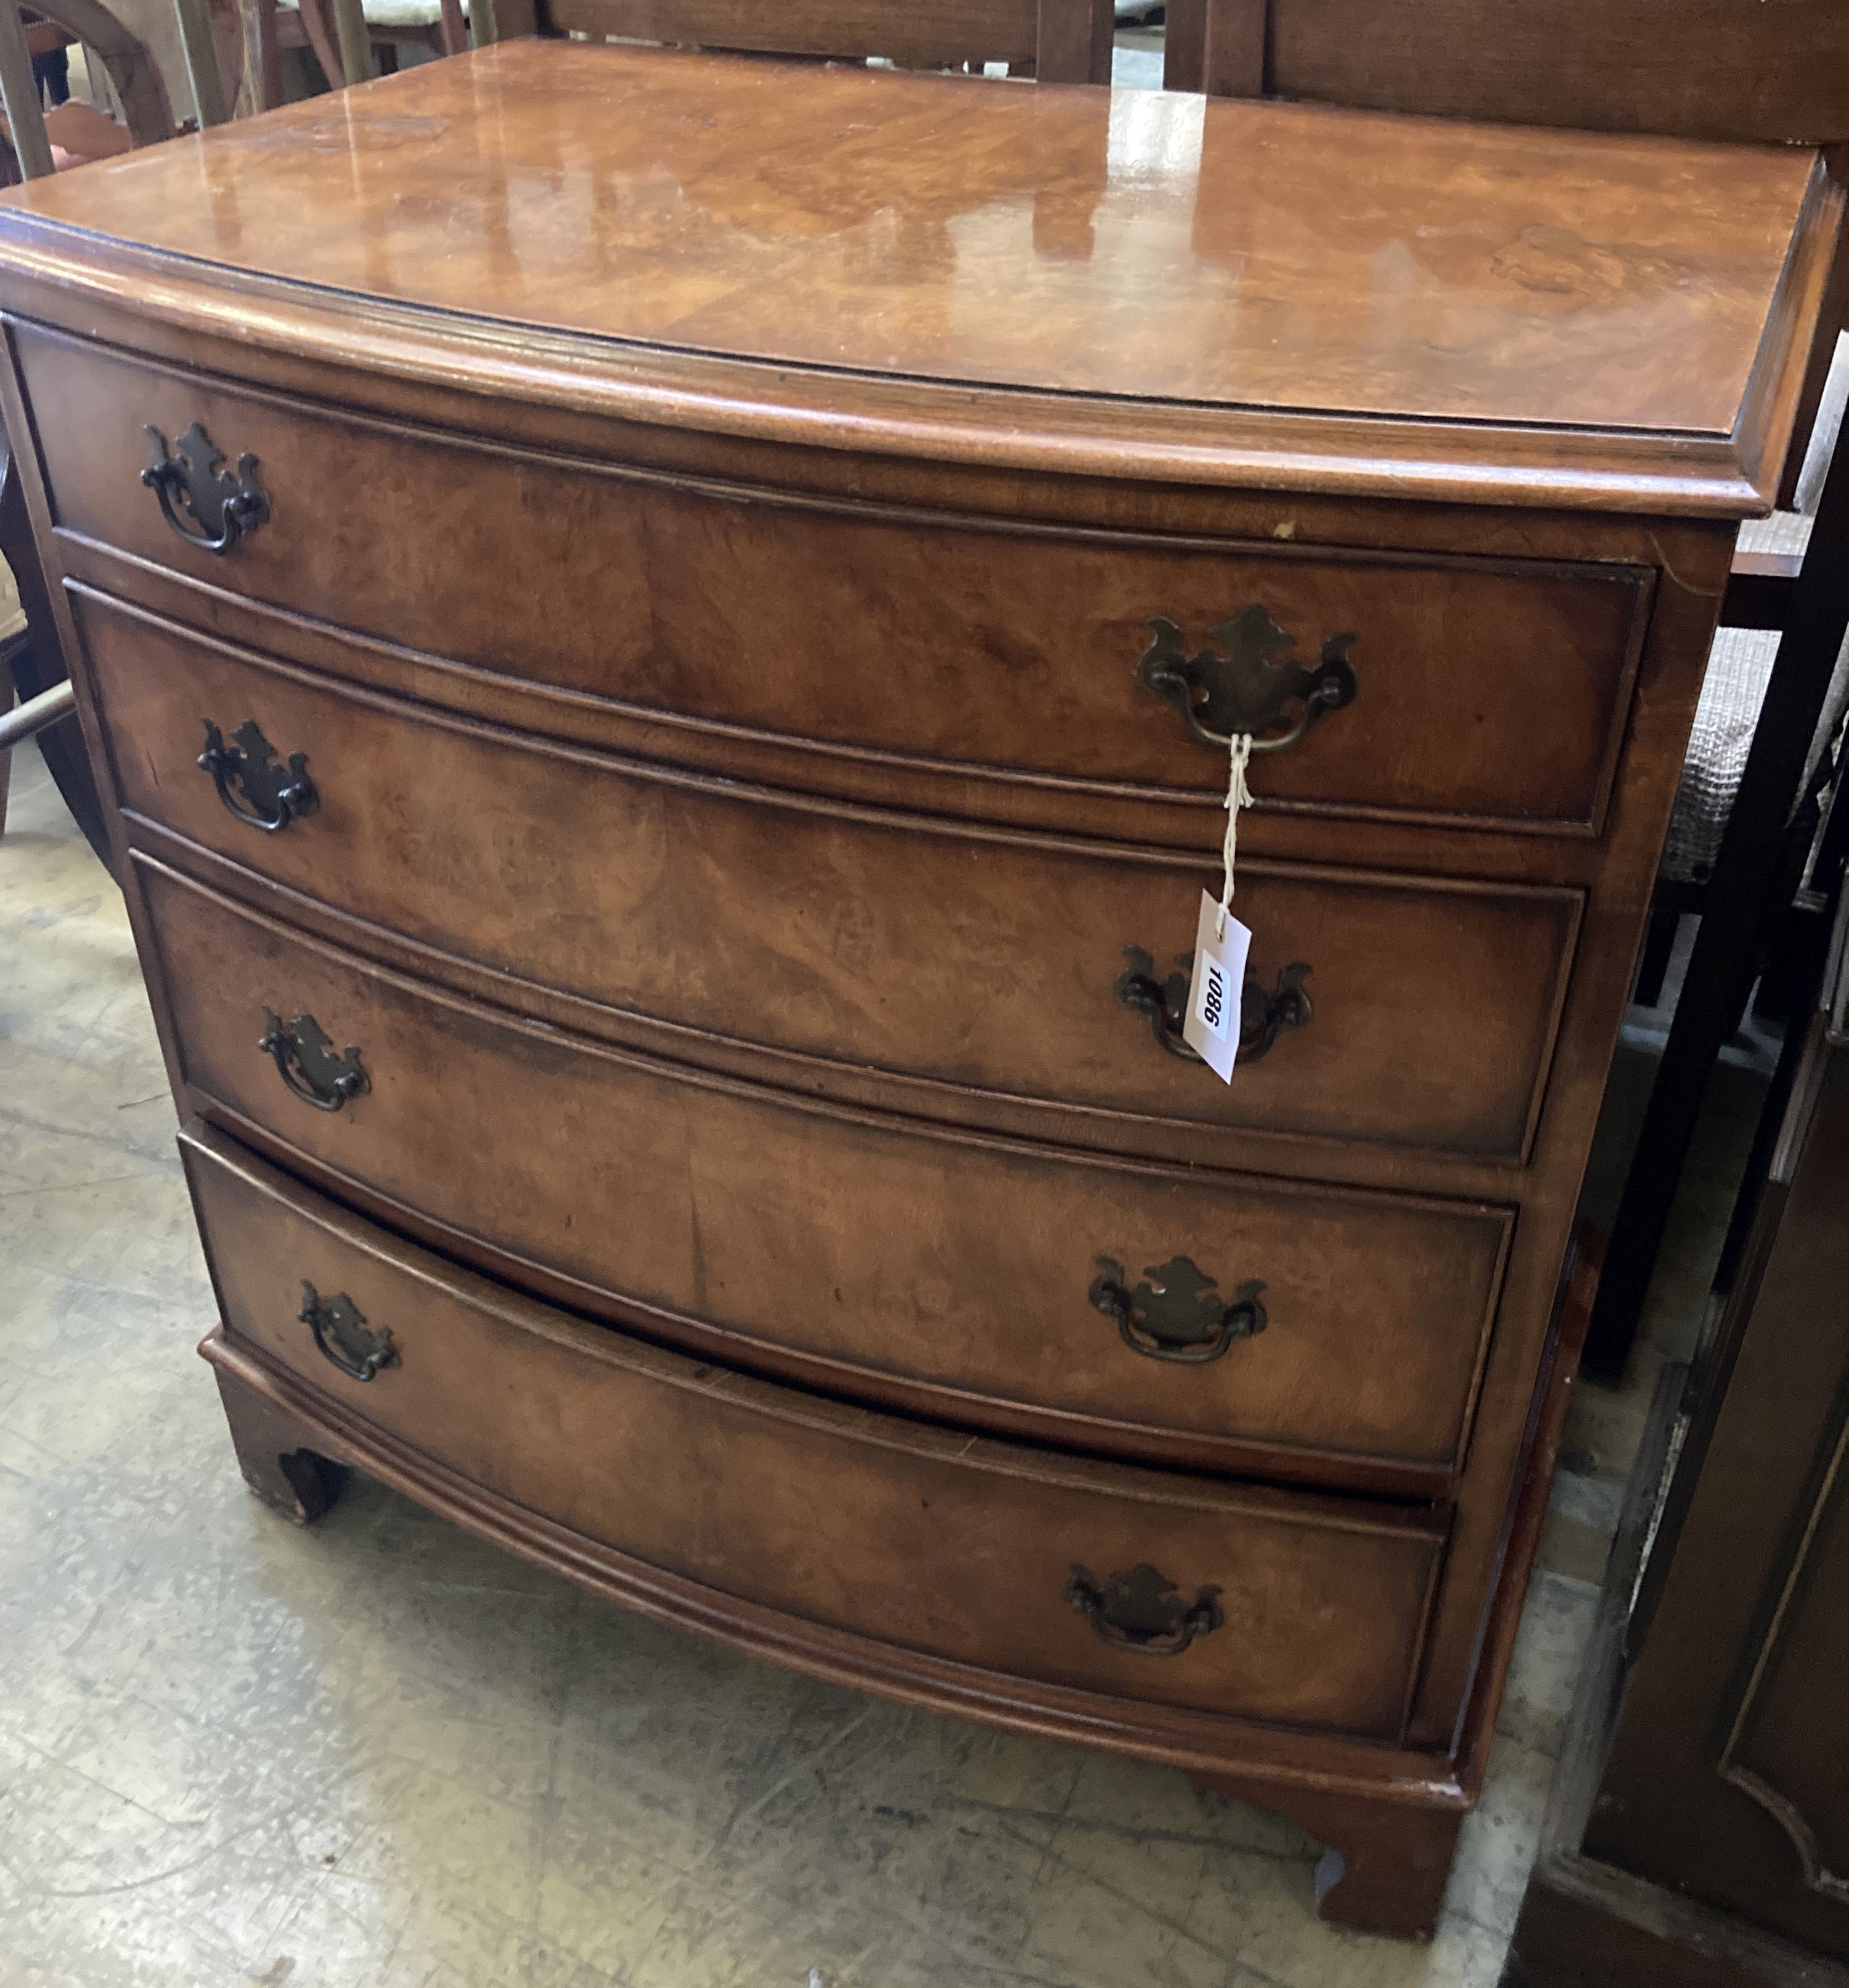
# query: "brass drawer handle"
[1263,1016]
[1143,1610]
[1251,689]
[275,795]
[305,1060]
[222,504]
[343,1336]
[1176,1312]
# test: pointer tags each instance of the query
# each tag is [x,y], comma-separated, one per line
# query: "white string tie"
[1238,795]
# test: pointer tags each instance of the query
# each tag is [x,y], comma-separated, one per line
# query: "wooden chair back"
[1749,71]
[123,55]
[1775,71]
[1057,41]
[344,39]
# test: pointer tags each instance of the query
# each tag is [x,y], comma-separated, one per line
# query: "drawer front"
[939,1542]
[972,1278]
[1487,691]
[980,961]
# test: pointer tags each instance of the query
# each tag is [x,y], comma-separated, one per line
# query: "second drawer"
[1106,1303]
[970,966]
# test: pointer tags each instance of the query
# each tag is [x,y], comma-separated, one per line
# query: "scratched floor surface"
[377,1754]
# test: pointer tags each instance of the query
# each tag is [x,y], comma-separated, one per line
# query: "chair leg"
[1659,948]
[355,43]
[1184,44]
[1071,40]
[199,43]
[1831,325]
[317,24]
[7,696]
[1741,902]
[1233,52]
[268,63]
[39,663]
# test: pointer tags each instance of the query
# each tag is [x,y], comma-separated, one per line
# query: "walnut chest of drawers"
[659,632]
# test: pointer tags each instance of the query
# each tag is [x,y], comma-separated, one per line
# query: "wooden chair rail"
[1690,68]
[1759,590]
[27,720]
[32,666]
[1061,41]
[131,71]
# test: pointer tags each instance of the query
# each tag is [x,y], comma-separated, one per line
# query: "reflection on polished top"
[1135,244]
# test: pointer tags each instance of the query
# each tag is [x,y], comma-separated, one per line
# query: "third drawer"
[916,1560]
[1183,1315]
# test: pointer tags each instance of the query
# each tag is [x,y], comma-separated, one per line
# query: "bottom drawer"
[1162,1589]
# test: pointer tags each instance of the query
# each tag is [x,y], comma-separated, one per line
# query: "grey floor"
[378,1755]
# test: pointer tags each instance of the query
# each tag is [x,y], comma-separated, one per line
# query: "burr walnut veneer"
[659,631]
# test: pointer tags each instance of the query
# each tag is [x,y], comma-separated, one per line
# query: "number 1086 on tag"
[1211,1026]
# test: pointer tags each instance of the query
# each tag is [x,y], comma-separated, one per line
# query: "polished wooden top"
[912,232]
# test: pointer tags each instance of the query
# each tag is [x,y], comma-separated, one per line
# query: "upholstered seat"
[396,13]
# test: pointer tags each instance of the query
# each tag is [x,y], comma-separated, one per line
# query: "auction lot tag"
[1211,1028]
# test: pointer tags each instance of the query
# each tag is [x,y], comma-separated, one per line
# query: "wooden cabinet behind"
[1726,1781]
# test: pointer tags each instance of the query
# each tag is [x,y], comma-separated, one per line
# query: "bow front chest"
[661,634]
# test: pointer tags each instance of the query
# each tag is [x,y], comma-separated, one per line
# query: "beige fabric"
[12,615]
[1783,532]
[399,13]
[1739,667]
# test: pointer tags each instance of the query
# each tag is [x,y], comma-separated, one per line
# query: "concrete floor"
[377,1754]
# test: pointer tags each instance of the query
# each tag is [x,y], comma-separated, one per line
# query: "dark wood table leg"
[1385,1864]
[1738,910]
[277,1455]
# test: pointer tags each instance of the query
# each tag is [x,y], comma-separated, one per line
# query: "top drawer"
[1488,691]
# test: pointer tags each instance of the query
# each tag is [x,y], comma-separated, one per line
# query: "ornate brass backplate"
[1261,1015]
[305,1059]
[1253,686]
[1176,1311]
[343,1336]
[192,482]
[1143,1610]
[273,795]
